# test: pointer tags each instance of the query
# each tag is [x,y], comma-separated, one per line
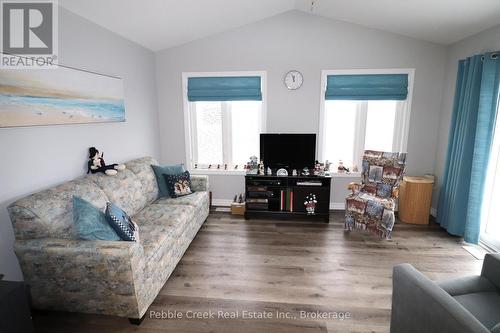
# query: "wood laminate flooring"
[286,270]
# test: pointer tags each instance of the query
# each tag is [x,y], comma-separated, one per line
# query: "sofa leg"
[137,321]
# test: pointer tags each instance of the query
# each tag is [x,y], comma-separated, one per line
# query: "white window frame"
[402,121]
[189,119]
[489,241]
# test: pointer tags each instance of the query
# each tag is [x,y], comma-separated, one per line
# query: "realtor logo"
[29,34]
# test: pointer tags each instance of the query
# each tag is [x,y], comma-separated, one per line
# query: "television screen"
[289,151]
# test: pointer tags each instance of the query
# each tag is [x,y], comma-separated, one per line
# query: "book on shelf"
[257,206]
[286,203]
[309,183]
[257,200]
[282,201]
[257,188]
[261,194]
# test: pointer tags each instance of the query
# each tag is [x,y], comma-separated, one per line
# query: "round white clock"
[293,80]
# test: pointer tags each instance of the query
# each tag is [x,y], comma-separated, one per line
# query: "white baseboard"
[227,203]
[222,202]
[333,205]
[337,205]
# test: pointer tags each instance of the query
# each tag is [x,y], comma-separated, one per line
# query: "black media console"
[284,196]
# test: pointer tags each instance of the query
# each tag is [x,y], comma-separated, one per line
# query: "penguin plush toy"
[96,164]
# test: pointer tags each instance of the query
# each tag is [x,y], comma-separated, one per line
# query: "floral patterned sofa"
[105,277]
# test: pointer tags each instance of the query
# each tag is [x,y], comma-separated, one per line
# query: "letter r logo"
[27,28]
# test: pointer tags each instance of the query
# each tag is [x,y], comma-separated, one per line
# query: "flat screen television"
[289,151]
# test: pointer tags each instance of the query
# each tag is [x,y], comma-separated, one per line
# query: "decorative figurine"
[235,199]
[355,168]
[196,166]
[341,168]
[310,203]
[261,168]
[327,165]
[240,198]
[252,167]
[316,168]
[305,171]
[96,164]
[269,171]
[282,172]
[294,172]
[225,166]
[210,166]
[319,169]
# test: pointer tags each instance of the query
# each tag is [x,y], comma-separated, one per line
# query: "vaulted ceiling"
[161,24]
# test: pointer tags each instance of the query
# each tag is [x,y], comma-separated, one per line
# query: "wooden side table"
[415,197]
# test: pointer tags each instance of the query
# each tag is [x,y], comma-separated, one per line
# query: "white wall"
[488,40]
[39,157]
[308,43]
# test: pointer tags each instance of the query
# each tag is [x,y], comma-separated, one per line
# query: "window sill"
[346,175]
[220,172]
[217,172]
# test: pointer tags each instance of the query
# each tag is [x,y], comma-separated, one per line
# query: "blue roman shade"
[224,88]
[367,87]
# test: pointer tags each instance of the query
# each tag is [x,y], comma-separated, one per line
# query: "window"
[490,226]
[222,132]
[350,126]
[225,132]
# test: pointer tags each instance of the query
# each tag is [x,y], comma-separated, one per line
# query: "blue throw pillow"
[165,170]
[179,185]
[121,223]
[90,222]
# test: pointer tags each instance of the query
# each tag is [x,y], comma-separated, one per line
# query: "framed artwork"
[63,95]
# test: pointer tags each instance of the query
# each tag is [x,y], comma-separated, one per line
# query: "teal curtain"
[486,118]
[470,138]
[224,88]
[367,87]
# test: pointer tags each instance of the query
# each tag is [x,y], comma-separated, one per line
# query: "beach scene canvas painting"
[59,96]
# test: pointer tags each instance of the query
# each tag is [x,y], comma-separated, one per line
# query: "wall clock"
[293,80]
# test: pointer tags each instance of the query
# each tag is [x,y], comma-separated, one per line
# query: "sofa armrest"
[199,182]
[419,305]
[82,276]
[466,285]
[491,268]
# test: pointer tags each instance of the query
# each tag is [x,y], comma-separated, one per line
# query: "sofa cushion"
[178,185]
[124,190]
[466,285]
[121,223]
[49,213]
[485,306]
[161,225]
[165,170]
[90,222]
[142,169]
[196,199]
[491,268]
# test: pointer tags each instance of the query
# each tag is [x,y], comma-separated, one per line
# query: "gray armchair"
[464,305]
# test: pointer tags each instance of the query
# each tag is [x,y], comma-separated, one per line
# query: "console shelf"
[283,197]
